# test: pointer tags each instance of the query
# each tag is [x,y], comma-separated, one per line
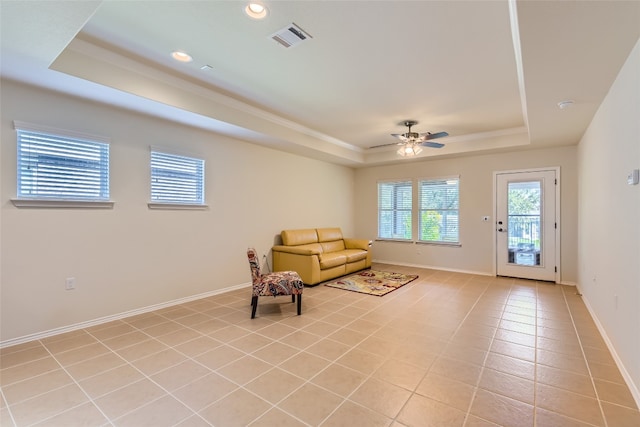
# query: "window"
[57,167]
[176,180]
[439,210]
[394,210]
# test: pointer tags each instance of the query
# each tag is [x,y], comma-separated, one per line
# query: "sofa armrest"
[298,250]
[357,244]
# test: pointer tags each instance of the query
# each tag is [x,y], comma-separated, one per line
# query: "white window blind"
[57,167]
[439,210]
[394,210]
[176,179]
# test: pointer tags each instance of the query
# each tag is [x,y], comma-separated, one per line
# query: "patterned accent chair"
[273,284]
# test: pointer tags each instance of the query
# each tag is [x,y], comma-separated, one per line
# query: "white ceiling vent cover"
[290,36]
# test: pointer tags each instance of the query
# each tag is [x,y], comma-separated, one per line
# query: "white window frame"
[396,211]
[181,189]
[39,146]
[453,210]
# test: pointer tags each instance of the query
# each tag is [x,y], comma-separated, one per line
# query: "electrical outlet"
[70,283]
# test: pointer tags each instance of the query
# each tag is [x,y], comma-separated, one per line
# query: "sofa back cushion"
[299,237]
[334,246]
[329,234]
[330,239]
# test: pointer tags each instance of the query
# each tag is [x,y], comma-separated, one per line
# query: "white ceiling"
[466,67]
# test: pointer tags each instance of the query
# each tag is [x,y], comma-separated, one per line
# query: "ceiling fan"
[415,138]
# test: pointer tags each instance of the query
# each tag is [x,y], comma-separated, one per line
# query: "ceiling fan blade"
[386,145]
[429,136]
[432,144]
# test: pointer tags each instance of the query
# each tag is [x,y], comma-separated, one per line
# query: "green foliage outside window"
[430,226]
[439,210]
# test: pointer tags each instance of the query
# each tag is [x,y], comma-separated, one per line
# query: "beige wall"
[475,255]
[131,257]
[609,226]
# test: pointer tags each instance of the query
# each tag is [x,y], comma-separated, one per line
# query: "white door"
[526,224]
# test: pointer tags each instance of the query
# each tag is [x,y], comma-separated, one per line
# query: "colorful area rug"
[372,282]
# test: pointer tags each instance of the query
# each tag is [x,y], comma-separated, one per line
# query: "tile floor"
[448,349]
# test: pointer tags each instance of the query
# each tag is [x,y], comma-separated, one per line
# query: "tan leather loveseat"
[319,254]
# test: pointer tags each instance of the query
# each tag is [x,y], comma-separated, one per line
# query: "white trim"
[438,178]
[517,50]
[101,320]
[418,202]
[635,392]
[178,206]
[19,125]
[438,243]
[382,239]
[395,180]
[175,151]
[62,204]
[558,246]
[567,283]
[433,267]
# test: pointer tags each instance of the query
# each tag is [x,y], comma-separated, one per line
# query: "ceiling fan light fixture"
[256,10]
[409,149]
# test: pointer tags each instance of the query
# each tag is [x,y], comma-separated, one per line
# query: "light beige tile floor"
[448,349]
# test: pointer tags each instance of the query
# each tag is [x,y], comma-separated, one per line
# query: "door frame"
[556,169]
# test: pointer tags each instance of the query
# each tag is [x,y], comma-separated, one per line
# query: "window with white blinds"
[439,210]
[63,168]
[176,179]
[394,210]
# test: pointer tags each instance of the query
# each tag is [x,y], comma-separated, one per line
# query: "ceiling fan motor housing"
[412,135]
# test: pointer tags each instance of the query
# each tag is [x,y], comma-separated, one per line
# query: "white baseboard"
[566,283]
[455,270]
[101,320]
[433,267]
[635,392]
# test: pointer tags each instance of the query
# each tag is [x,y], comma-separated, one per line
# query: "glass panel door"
[524,221]
[526,241]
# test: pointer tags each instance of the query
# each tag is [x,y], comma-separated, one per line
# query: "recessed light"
[181,56]
[256,10]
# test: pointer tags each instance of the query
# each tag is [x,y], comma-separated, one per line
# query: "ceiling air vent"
[290,36]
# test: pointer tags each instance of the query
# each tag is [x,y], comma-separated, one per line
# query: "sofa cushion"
[354,255]
[299,237]
[329,234]
[333,259]
[336,246]
[310,249]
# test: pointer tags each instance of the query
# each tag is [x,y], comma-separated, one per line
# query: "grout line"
[76,382]
[441,289]
[484,362]
[7,407]
[586,362]
[535,362]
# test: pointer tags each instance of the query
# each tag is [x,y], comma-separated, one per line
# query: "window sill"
[178,206]
[420,242]
[455,245]
[62,204]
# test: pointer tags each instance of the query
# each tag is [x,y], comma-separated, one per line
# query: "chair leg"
[299,304]
[254,306]
[293,298]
